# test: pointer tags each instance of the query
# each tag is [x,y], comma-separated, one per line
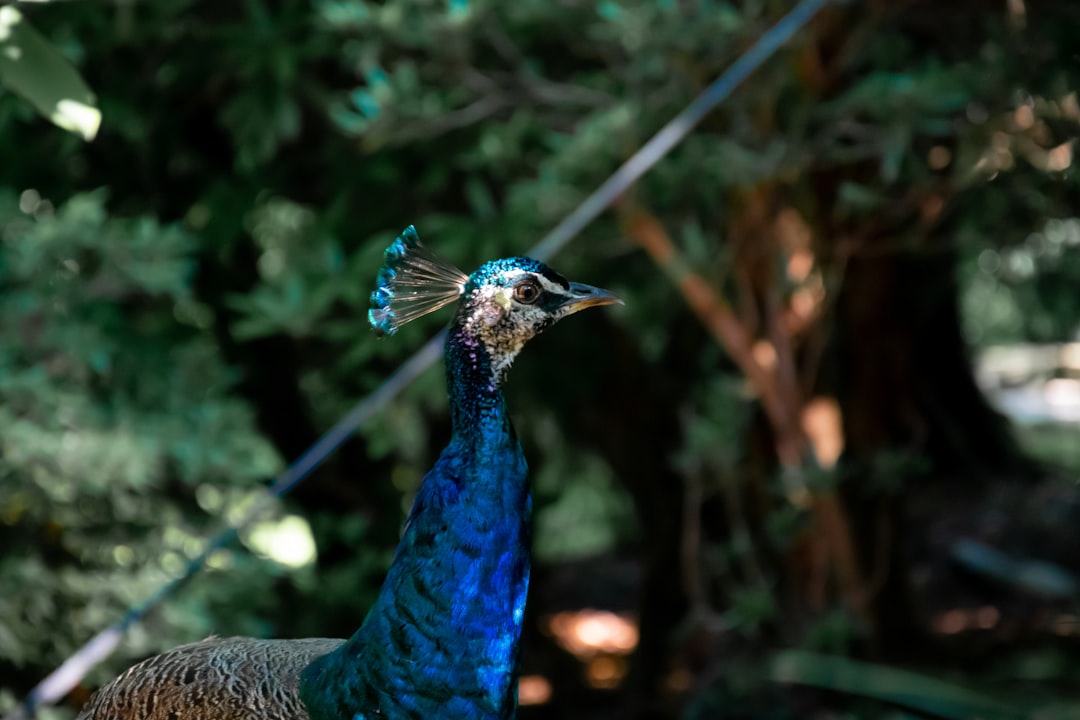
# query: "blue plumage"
[442,639]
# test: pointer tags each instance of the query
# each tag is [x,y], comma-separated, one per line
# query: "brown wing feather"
[215,679]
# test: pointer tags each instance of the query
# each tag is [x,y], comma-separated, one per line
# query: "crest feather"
[413,282]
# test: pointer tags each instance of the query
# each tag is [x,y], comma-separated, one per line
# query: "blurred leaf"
[751,607]
[31,67]
[887,684]
[858,197]
[1031,576]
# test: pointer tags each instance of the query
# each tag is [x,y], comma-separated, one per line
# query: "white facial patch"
[504,324]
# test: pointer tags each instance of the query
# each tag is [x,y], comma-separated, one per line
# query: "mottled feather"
[216,679]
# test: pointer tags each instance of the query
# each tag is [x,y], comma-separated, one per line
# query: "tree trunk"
[915,424]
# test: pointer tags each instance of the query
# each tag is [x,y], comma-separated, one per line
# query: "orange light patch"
[533,690]
[587,633]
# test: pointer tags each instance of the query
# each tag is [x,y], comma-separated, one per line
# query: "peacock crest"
[413,282]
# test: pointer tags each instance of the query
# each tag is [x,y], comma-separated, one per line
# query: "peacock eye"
[527,292]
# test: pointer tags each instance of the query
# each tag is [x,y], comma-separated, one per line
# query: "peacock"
[442,639]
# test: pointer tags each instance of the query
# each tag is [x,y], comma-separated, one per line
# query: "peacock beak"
[583,296]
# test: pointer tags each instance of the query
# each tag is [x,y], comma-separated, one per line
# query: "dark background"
[774,477]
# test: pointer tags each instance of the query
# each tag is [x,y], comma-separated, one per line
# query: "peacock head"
[503,304]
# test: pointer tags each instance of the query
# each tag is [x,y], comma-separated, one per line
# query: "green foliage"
[100,447]
[585,517]
[751,609]
[1025,291]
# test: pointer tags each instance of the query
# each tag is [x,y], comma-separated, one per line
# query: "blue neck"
[442,639]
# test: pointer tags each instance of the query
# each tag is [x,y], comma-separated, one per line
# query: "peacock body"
[441,640]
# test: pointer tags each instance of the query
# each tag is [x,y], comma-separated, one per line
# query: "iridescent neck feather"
[442,639]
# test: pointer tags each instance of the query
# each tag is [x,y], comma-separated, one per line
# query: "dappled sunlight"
[533,690]
[79,117]
[764,353]
[799,265]
[1033,383]
[804,303]
[956,621]
[1025,132]
[585,633]
[822,422]
[1065,625]
[606,671]
[939,157]
[287,541]
[9,18]
[600,639]
[123,555]
[1037,386]
[1062,392]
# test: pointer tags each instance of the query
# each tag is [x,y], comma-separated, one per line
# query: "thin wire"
[60,682]
[677,129]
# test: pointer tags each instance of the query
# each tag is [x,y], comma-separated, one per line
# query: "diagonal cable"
[60,682]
